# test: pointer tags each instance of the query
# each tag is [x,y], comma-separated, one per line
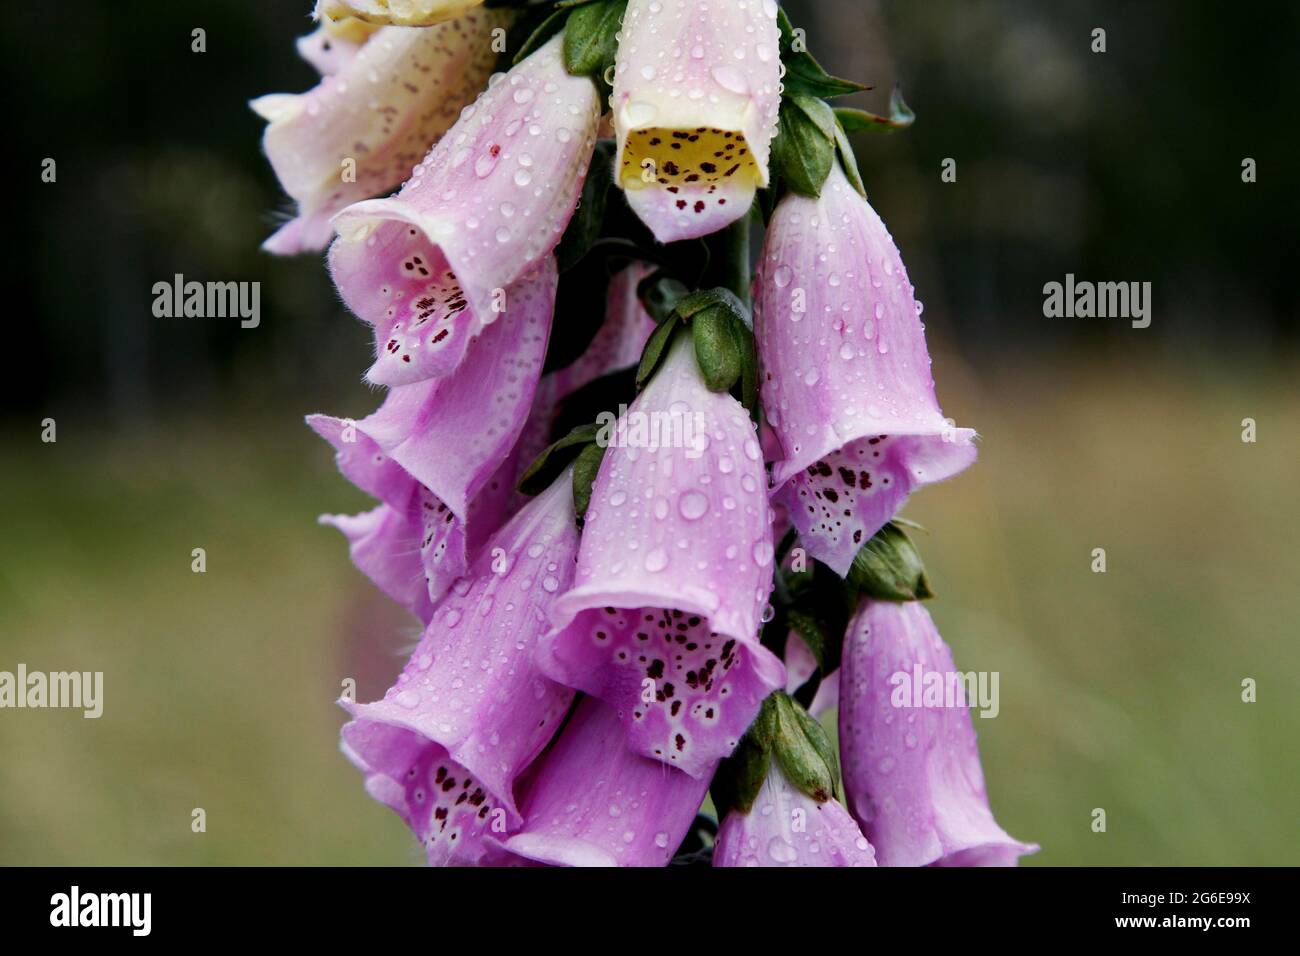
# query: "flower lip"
[404,13]
[409,346]
[443,803]
[591,801]
[385,545]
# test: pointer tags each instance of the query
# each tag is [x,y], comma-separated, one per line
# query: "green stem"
[736,258]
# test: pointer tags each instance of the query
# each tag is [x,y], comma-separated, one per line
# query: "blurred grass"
[1118,690]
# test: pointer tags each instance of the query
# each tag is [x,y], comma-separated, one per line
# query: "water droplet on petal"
[693,505]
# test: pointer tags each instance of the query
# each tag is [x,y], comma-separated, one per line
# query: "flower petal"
[674,571]
[359,132]
[689,211]
[846,380]
[840,501]
[489,202]
[478,412]
[800,665]
[404,13]
[470,702]
[786,827]
[331,46]
[591,801]
[695,102]
[912,776]
[385,546]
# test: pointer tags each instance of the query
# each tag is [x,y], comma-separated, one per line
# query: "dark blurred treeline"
[1115,166]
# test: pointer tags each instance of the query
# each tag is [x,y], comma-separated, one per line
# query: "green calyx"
[810,134]
[785,732]
[721,330]
[889,568]
[583,449]
[591,40]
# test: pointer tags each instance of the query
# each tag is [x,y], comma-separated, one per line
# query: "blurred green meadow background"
[1120,691]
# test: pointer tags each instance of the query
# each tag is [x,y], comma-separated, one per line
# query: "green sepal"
[698,301]
[860,121]
[553,460]
[590,39]
[803,74]
[803,750]
[804,147]
[720,347]
[889,568]
[723,342]
[848,161]
[584,227]
[655,347]
[585,468]
[740,776]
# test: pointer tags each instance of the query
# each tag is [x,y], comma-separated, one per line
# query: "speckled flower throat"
[635,475]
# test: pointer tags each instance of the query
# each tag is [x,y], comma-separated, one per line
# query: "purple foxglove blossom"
[912,774]
[673,574]
[696,96]
[618,342]
[845,374]
[800,664]
[427,267]
[786,827]
[435,450]
[590,801]
[359,132]
[403,13]
[385,545]
[331,46]
[799,668]
[470,711]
